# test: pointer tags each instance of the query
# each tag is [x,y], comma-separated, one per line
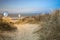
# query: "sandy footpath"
[23,32]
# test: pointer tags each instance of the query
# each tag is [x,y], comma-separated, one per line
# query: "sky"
[28,6]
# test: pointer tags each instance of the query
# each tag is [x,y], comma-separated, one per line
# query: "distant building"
[12,15]
[19,15]
[5,14]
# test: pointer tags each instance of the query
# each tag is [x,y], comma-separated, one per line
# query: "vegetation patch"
[6,26]
[50,28]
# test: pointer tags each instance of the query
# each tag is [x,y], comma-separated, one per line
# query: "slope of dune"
[40,27]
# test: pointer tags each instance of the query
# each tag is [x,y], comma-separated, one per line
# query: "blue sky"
[28,5]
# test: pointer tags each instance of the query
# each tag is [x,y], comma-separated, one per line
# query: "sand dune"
[23,32]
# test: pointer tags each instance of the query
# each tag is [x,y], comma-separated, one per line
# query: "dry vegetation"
[33,19]
[49,29]
[49,25]
[27,20]
[6,25]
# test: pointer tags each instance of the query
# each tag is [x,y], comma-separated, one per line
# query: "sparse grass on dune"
[33,19]
[5,25]
[49,25]
[50,28]
[27,20]
[7,19]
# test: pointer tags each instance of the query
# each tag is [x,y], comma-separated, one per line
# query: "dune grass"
[5,25]
[50,28]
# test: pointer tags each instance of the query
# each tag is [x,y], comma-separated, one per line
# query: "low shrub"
[6,26]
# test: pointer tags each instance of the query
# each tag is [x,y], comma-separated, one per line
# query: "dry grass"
[50,27]
[33,19]
[5,25]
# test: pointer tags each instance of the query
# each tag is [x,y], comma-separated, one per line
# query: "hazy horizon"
[28,6]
